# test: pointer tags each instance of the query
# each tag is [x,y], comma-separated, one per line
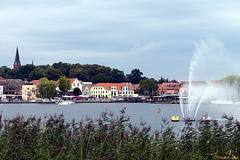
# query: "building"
[35,82]
[75,83]
[1,93]
[184,86]
[112,90]
[169,89]
[28,92]
[17,63]
[12,88]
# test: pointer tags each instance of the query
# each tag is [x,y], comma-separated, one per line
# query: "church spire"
[17,63]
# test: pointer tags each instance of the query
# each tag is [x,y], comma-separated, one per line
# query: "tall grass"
[114,137]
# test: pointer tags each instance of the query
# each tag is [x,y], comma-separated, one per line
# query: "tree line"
[88,72]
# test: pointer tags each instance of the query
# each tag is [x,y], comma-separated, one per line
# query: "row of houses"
[16,88]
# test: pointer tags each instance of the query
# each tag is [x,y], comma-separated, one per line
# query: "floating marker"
[175,119]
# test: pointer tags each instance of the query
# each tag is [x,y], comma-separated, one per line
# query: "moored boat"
[62,102]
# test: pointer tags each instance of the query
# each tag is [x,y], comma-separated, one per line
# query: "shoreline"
[88,101]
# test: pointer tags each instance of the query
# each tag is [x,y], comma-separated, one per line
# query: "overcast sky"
[158,37]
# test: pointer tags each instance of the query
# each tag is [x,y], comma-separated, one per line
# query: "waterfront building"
[35,82]
[12,88]
[169,89]
[1,92]
[75,83]
[86,91]
[184,86]
[17,63]
[113,90]
[28,92]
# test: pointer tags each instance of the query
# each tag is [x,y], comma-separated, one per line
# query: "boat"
[64,103]
[221,101]
[206,117]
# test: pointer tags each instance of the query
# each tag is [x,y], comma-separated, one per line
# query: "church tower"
[17,63]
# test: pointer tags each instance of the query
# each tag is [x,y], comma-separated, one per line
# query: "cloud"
[117,33]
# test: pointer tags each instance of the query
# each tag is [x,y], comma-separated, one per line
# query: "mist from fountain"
[206,64]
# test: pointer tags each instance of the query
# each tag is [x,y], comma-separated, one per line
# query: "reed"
[114,137]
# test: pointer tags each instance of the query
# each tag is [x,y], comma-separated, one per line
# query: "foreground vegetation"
[114,137]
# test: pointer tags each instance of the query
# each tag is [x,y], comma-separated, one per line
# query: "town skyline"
[157,37]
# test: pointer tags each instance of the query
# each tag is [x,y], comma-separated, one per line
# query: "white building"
[1,92]
[112,90]
[75,83]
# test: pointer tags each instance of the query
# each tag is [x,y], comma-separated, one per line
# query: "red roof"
[35,82]
[169,86]
[107,86]
[2,79]
[72,80]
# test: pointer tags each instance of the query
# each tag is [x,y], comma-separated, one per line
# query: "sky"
[158,37]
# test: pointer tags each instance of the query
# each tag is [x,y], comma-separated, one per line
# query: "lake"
[137,111]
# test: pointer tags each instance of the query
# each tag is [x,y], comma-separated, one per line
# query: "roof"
[107,86]
[35,82]
[169,86]
[17,62]
[2,79]
[72,80]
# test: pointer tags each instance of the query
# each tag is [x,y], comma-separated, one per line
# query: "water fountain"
[205,66]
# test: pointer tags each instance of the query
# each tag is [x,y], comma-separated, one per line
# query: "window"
[162,85]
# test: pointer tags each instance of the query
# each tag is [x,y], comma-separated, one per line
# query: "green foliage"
[135,77]
[117,76]
[230,80]
[148,87]
[64,84]
[46,88]
[114,137]
[88,72]
[79,73]
[36,74]
[77,91]
[52,73]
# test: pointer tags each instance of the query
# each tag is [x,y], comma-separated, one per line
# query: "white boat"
[221,101]
[64,103]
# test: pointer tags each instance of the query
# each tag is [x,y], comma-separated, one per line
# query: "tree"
[230,80]
[135,77]
[23,71]
[117,76]
[80,73]
[64,84]
[101,78]
[148,87]
[77,91]
[3,71]
[12,74]
[46,88]
[52,73]
[63,67]
[37,73]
